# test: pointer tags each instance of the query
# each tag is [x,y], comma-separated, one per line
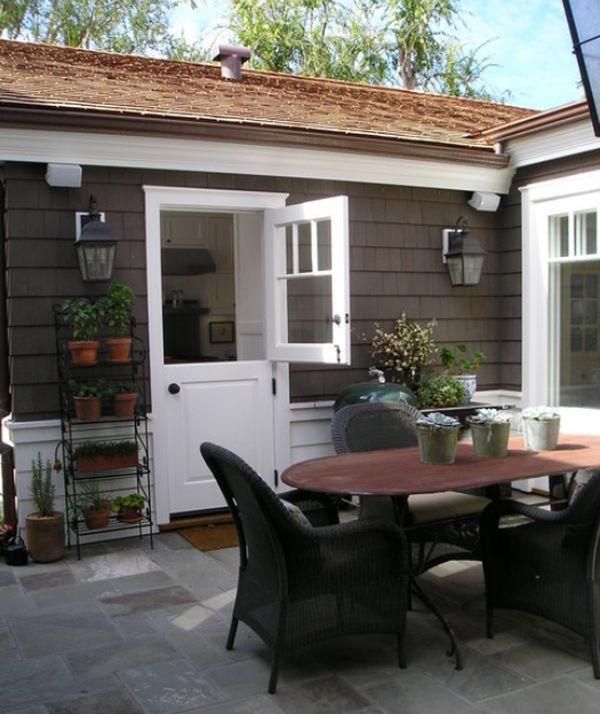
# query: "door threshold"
[176,524]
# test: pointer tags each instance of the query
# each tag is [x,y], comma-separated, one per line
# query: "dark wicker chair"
[441,526]
[547,562]
[299,585]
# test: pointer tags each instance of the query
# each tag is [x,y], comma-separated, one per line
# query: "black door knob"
[174,388]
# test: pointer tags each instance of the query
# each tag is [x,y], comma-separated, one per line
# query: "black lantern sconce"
[462,254]
[96,245]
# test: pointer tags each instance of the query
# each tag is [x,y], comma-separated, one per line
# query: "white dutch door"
[227,277]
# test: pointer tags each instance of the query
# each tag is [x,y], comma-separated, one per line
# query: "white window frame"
[540,201]
[334,209]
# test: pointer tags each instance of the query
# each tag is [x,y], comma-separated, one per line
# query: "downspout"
[6,450]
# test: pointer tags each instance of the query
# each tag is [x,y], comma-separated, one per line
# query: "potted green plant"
[117,307]
[441,392]
[87,397]
[490,429]
[437,435]
[105,455]
[129,508]
[94,506]
[541,427]
[457,362]
[404,352]
[84,317]
[45,527]
[124,400]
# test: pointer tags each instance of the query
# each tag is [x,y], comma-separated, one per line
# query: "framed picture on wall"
[220,332]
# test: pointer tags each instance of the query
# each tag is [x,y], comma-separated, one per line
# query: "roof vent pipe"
[231,57]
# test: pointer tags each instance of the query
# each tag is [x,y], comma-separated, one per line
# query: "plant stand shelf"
[132,478]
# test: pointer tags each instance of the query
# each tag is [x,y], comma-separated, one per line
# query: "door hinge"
[276,477]
[274,386]
[347,319]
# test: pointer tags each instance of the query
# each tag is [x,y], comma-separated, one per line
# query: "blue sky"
[528,44]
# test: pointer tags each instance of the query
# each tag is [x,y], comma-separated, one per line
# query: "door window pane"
[304,249]
[585,232]
[309,310]
[559,236]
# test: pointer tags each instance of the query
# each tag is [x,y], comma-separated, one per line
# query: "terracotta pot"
[124,404]
[88,408]
[97,519]
[86,464]
[84,353]
[437,446]
[118,349]
[45,537]
[129,514]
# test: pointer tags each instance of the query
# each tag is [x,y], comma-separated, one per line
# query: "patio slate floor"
[128,629]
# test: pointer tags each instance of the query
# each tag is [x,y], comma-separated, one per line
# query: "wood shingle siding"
[395,254]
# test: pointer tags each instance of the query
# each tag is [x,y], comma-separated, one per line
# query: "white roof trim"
[552,143]
[132,151]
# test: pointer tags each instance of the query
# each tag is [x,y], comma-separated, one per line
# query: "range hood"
[186,261]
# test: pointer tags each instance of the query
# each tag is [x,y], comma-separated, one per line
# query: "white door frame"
[157,199]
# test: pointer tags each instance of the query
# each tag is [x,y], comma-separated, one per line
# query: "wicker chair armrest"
[304,500]
[506,507]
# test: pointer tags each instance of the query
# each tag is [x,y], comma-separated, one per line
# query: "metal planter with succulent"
[541,427]
[437,435]
[490,429]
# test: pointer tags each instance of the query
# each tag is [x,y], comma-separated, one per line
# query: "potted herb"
[117,307]
[129,508]
[463,367]
[438,436]
[124,400]
[87,397]
[45,527]
[541,426]
[441,392]
[106,455]
[94,506]
[83,316]
[490,429]
[404,352]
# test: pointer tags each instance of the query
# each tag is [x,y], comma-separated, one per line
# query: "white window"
[307,288]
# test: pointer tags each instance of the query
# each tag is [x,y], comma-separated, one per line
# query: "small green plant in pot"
[94,456]
[541,427]
[490,429]
[129,509]
[437,435]
[46,527]
[441,392]
[117,307]
[87,397]
[124,400]
[84,317]
[94,505]
[462,366]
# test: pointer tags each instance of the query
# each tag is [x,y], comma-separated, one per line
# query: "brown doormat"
[211,537]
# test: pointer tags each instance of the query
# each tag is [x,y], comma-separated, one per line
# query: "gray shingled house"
[268,183]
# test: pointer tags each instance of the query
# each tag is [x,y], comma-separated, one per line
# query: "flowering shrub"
[404,352]
[440,392]
[490,416]
[540,413]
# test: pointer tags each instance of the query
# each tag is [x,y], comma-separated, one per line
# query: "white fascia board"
[553,143]
[167,153]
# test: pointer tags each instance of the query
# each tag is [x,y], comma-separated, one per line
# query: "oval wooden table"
[399,473]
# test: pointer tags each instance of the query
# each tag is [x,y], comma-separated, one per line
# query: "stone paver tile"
[22,682]
[54,579]
[555,696]
[144,581]
[7,578]
[500,642]
[260,704]
[62,631]
[229,558]
[104,660]
[58,598]
[131,603]
[326,695]
[239,679]
[117,564]
[169,687]
[539,662]
[14,600]
[134,625]
[113,701]
[173,541]
[36,709]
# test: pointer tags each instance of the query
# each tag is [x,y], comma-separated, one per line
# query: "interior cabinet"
[111,482]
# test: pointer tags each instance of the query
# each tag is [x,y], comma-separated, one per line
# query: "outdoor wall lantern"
[462,254]
[96,245]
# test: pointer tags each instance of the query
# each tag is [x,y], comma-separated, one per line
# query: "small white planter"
[541,434]
[469,382]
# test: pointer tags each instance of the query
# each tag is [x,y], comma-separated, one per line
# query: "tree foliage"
[139,27]
[407,43]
